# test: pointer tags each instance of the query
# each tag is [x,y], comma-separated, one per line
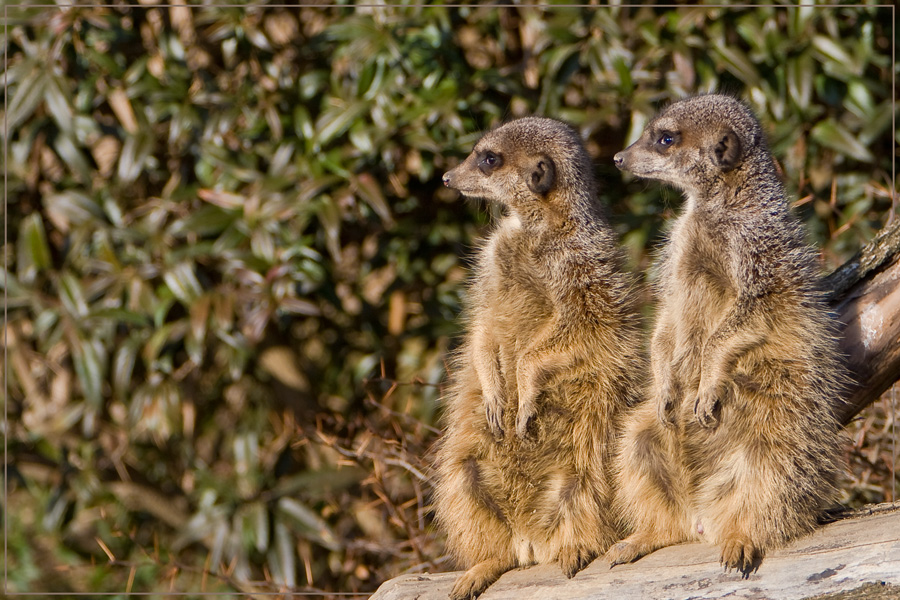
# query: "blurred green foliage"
[232,273]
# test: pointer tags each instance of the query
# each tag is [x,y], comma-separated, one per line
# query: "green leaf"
[833,52]
[205,221]
[738,63]
[72,296]
[183,283]
[71,208]
[337,120]
[833,135]
[73,157]
[89,361]
[330,219]
[282,557]
[800,70]
[798,18]
[368,188]
[319,484]
[168,333]
[58,104]
[123,366]
[121,315]
[308,523]
[28,95]
[260,515]
[626,85]
[262,244]
[133,158]
[32,251]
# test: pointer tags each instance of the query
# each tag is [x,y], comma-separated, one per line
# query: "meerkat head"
[693,143]
[523,163]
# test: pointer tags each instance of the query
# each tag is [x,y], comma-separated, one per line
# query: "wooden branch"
[866,297]
[859,553]
[870,258]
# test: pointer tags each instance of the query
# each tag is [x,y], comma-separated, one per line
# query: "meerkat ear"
[727,151]
[543,175]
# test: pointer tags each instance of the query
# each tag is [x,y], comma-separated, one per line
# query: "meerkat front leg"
[546,355]
[742,329]
[664,389]
[486,360]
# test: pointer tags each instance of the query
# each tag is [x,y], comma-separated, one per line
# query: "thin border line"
[5,302]
[474,6]
[894,216]
[354,6]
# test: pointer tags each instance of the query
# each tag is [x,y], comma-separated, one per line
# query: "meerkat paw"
[493,409]
[740,554]
[706,409]
[575,559]
[477,579]
[665,393]
[468,587]
[665,408]
[528,394]
[523,418]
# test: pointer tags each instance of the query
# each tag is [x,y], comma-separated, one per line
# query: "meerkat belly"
[528,487]
[702,288]
[699,309]
[535,495]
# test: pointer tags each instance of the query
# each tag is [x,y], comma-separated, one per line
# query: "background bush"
[232,274]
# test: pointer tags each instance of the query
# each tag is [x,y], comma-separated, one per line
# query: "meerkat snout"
[446,178]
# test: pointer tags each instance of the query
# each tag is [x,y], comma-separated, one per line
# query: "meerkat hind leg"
[632,548]
[733,518]
[739,553]
[477,579]
[573,559]
[582,531]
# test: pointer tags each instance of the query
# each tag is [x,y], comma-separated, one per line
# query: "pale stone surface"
[839,557]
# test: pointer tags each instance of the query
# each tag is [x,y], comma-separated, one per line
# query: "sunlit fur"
[546,368]
[738,445]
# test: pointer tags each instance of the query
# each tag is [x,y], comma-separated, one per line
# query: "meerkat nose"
[619,158]
[446,179]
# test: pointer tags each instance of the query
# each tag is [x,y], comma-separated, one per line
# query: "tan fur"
[738,446]
[546,367]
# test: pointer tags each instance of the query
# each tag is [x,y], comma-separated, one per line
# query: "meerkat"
[547,365]
[738,445]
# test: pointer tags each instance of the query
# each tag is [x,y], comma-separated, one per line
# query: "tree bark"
[865,294]
[856,557]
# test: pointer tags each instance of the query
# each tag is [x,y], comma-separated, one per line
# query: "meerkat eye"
[666,139]
[489,161]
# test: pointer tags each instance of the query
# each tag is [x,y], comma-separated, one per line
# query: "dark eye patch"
[667,139]
[489,161]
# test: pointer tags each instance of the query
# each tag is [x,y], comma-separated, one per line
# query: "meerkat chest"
[516,300]
[700,286]
[701,259]
[520,299]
